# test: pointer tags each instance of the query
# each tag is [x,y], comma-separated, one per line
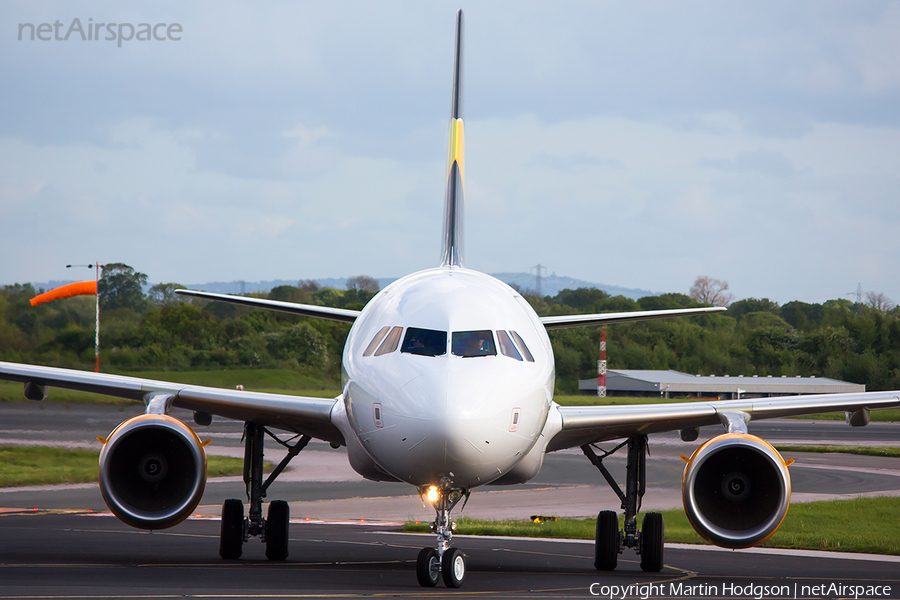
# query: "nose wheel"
[430,568]
[442,562]
[453,568]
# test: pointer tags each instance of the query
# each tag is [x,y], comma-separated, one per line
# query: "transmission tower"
[539,271]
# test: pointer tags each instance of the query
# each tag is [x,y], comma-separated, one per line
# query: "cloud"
[631,144]
[762,161]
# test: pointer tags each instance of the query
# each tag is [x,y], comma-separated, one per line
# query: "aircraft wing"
[311,416]
[588,424]
[307,310]
[562,321]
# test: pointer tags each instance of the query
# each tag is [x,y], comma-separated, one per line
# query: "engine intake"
[152,471]
[736,490]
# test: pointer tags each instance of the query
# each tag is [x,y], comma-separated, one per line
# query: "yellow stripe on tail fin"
[451,254]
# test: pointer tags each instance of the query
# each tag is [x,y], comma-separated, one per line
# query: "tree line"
[852,341]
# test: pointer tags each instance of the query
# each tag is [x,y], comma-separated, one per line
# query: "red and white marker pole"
[601,366]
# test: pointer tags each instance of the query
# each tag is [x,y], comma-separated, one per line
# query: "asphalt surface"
[80,556]
[48,553]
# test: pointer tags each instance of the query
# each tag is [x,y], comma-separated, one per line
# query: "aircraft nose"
[460,432]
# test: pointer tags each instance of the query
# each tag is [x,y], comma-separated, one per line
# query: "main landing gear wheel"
[231,535]
[652,536]
[606,543]
[453,568]
[277,530]
[610,540]
[428,567]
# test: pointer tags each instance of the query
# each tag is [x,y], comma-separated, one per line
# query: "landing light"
[433,494]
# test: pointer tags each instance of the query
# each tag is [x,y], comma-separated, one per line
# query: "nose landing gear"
[443,562]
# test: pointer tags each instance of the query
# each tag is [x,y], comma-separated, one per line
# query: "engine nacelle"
[736,490]
[152,471]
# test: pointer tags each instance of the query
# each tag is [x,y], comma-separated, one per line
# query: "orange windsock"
[81,288]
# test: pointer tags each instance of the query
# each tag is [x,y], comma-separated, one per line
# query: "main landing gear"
[274,529]
[444,562]
[610,541]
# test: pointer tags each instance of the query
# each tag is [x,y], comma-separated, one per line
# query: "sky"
[631,144]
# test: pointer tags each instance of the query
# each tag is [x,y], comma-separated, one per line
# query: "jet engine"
[736,490]
[152,471]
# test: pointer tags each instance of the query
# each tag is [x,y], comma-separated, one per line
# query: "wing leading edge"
[307,310]
[588,424]
[302,414]
[563,321]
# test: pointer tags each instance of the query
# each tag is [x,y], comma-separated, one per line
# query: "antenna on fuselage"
[451,255]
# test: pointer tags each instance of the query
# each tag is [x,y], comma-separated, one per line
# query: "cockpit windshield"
[507,348]
[426,342]
[473,343]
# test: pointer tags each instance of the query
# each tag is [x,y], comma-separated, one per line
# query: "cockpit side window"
[507,348]
[390,342]
[521,343]
[376,340]
[425,342]
[473,343]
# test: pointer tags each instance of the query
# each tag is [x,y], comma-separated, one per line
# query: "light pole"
[96,266]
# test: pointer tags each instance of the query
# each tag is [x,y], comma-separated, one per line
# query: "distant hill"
[550,285]
[553,284]
[237,287]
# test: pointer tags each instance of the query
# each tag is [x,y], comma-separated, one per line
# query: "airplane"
[447,383]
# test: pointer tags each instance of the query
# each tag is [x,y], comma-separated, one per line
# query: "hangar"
[674,384]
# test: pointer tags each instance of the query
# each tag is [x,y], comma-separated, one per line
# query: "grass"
[888,414]
[863,450]
[278,381]
[845,525]
[40,465]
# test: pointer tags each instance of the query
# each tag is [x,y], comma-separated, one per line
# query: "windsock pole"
[53,294]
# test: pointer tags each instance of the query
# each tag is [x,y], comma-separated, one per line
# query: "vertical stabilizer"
[451,254]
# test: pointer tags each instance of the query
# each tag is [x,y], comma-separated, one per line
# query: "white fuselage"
[438,417]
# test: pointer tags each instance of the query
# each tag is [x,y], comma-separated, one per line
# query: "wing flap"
[301,414]
[588,424]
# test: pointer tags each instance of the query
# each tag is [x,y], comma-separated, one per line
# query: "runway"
[48,553]
[79,556]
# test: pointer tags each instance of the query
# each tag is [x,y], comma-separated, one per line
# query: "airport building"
[673,384]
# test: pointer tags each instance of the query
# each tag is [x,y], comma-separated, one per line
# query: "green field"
[845,525]
[40,465]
